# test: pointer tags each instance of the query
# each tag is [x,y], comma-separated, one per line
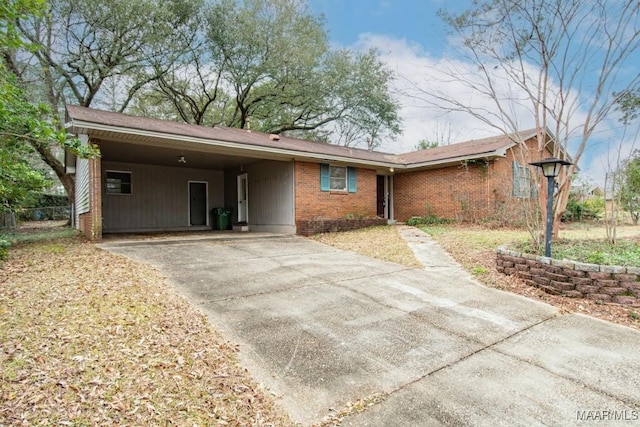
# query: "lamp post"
[550,169]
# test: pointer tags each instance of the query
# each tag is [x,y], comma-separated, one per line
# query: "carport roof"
[143,130]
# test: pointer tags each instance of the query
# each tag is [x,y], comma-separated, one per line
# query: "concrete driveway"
[323,327]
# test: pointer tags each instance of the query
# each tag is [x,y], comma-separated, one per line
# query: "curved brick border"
[603,283]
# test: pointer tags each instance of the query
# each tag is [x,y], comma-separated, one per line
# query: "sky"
[411,40]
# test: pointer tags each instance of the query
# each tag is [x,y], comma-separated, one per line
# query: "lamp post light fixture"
[550,169]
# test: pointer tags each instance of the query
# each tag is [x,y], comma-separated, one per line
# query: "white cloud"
[418,71]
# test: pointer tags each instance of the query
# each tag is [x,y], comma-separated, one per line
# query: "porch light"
[550,169]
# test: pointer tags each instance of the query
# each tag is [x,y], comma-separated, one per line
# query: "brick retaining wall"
[603,283]
[311,227]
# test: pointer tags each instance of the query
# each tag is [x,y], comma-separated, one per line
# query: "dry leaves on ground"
[91,338]
[382,242]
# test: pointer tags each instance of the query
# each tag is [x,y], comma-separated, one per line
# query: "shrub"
[588,209]
[427,220]
[4,248]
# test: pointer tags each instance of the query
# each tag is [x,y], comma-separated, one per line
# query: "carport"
[175,188]
[163,176]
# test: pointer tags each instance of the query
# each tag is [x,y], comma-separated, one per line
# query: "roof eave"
[499,153]
[80,126]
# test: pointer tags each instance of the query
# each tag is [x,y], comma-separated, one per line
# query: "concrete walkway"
[323,327]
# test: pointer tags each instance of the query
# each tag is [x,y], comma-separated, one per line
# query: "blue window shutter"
[325,182]
[534,189]
[352,181]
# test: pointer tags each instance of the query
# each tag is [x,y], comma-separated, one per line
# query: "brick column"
[92,221]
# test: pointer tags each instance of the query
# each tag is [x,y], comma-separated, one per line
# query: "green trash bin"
[222,218]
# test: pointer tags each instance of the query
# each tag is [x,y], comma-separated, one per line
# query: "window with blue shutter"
[338,178]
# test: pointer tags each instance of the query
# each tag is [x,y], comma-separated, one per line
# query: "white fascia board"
[454,160]
[78,124]
[502,152]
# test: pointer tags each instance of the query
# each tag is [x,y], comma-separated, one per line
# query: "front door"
[381,196]
[243,198]
[197,203]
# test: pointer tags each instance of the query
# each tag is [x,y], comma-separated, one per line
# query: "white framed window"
[118,182]
[338,178]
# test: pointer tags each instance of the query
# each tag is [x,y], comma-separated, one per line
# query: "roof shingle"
[480,148]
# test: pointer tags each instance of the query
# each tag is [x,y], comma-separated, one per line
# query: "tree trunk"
[68,181]
[562,197]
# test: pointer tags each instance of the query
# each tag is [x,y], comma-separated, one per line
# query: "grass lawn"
[577,242]
[89,338]
[381,242]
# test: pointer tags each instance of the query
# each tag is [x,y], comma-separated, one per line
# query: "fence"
[8,220]
[50,213]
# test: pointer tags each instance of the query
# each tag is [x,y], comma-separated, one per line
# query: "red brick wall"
[311,203]
[457,192]
[469,192]
[91,222]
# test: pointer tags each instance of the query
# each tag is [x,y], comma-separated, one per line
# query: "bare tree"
[620,162]
[558,62]
[441,135]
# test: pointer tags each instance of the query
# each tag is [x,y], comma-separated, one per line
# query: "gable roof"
[108,125]
[494,146]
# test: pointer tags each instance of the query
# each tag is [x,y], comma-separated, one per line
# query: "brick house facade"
[313,203]
[456,192]
[470,190]
[290,191]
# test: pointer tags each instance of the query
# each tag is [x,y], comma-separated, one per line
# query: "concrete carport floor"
[322,327]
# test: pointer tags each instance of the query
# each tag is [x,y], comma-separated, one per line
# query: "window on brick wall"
[337,178]
[118,182]
[523,187]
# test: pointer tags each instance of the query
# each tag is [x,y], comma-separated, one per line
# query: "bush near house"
[427,220]
[584,210]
